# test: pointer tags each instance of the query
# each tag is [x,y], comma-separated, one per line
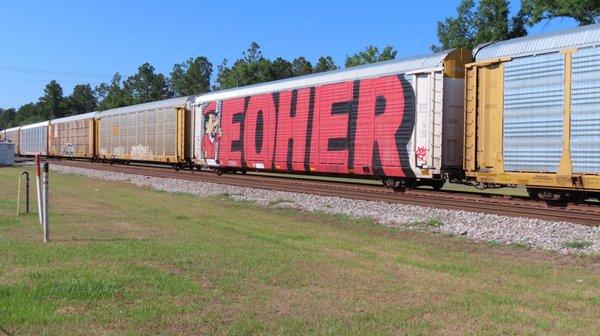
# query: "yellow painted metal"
[565,167]
[483,132]
[180,134]
[490,107]
[470,124]
[454,63]
[147,135]
[71,138]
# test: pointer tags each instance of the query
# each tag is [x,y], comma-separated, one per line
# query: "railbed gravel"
[481,227]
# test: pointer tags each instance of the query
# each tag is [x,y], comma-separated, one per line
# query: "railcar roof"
[88,115]
[182,101]
[402,65]
[41,123]
[11,129]
[540,44]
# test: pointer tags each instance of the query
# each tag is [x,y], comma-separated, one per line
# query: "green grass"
[578,244]
[125,260]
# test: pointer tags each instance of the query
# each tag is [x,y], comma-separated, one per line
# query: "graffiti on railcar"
[361,126]
[211,132]
[141,152]
[67,150]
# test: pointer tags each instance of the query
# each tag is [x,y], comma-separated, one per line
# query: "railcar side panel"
[12,134]
[534,120]
[143,135]
[71,138]
[33,139]
[363,127]
[585,111]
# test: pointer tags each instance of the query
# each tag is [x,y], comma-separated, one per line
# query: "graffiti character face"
[212,127]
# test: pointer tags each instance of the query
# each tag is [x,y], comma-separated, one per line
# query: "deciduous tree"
[191,77]
[325,63]
[147,85]
[82,100]
[113,95]
[52,103]
[371,54]
[301,67]
[583,11]
[489,21]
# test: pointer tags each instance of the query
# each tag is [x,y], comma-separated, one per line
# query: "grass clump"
[278,201]
[434,222]
[521,245]
[578,244]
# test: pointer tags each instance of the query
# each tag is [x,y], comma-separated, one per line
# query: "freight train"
[523,112]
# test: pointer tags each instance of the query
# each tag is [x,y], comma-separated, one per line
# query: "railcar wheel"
[244,171]
[437,185]
[533,193]
[389,182]
[577,197]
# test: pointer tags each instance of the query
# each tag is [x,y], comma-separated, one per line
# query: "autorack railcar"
[400,121]
[533,114]
[33,139]
[12,135]
[151,132]
[73,136]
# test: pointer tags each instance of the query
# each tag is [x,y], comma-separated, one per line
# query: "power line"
[52,72]
[36,80]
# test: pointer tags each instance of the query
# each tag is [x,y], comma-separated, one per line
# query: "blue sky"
[88,41]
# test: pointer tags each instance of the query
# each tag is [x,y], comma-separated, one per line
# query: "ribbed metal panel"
[142,134]
[167,103]
[533,113]
[34,139]
[542,43]
[399,66]
[585,111]
[84,116]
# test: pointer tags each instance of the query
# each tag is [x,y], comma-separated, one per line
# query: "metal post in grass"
[45,193]
[39,189]
[26,192]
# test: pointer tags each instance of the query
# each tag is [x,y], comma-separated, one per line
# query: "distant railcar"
[12,135]
[533,113]
[400,121]
[152,132]
[73,136]
[33,139]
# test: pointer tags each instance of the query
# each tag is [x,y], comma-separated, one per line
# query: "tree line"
[475,22]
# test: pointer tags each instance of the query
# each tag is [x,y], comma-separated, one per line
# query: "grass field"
[134,261]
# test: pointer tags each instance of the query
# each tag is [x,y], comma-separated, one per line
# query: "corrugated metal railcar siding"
[585,111]
[34,140]
[71,138]
[533,113]
[147,135]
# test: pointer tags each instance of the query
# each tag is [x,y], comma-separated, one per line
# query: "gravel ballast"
[558,236]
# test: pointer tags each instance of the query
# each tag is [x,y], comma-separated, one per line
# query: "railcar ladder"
[437,96]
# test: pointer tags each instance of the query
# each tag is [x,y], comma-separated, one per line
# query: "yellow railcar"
[152,132]
[532,114]
[72,136]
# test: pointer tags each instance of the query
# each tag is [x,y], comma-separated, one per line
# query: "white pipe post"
[45,192]
[39,189]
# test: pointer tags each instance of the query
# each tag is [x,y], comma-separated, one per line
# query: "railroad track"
[494,204]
